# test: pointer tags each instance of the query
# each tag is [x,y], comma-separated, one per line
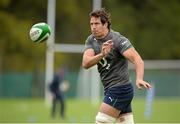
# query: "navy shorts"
[120,97]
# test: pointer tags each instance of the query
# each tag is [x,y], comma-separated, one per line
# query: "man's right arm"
[90,59]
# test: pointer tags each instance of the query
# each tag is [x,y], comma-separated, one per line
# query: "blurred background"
[153,27]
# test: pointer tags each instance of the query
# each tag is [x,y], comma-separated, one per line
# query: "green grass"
[34,110]
[163,111]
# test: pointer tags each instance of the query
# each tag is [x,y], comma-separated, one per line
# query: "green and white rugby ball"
[40,32]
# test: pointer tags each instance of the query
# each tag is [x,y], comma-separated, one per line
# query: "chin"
[95,34]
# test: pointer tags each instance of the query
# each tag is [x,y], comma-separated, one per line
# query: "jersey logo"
[124,42]
[110,99]
[95,39]
[105,64]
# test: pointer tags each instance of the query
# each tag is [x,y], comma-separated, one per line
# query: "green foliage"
[152,26]
[4,3]
[18,53]
[82,111]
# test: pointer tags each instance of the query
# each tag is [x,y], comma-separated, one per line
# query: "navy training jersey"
[113,68]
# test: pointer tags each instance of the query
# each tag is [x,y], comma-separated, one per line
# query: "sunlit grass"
[81,111]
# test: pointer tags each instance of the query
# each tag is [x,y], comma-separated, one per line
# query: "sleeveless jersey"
[113,68]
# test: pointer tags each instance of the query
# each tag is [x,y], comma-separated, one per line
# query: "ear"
[106,24]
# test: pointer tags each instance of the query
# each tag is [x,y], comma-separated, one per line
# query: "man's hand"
[140,84]
[106,47]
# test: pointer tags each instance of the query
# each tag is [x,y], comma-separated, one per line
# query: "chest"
[97,47]
[112,56]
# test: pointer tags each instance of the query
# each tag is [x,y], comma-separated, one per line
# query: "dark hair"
[103,14]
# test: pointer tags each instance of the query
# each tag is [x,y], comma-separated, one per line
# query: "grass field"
[82,111]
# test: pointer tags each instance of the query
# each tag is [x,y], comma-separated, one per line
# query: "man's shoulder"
[120,40]
[116,34]
[90,37]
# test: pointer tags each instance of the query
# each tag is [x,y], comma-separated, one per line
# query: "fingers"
[106,47]
[139,86]
[144,84]
[106,50]
[108,43]
[148,86]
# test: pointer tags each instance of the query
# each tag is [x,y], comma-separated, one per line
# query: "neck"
[105,33]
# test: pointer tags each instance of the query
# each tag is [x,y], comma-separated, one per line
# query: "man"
[110,51]
[57,94]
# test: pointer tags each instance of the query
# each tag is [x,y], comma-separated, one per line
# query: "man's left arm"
[132,55]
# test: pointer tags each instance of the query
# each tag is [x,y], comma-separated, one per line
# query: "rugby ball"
[40,32]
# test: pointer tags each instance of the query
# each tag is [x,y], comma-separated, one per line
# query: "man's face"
[97,28]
